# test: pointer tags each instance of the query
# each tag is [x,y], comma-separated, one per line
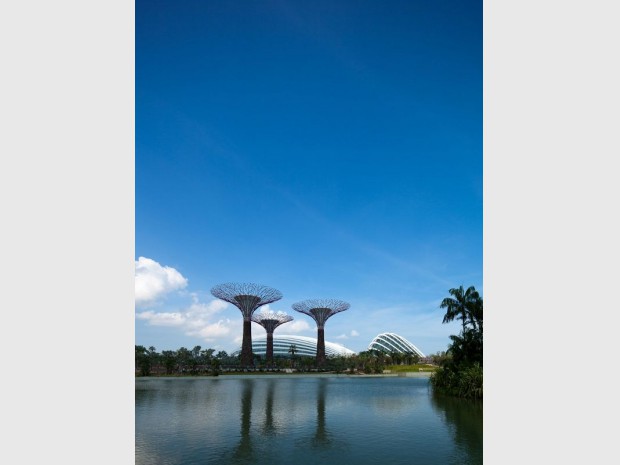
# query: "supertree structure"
[247,297]
[270,321]
[320,310]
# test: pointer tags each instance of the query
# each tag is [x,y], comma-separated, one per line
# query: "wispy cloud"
[219,324]
[353,333]
[293,327]
[162,318]
[296,326]
[211,332]
[197,318]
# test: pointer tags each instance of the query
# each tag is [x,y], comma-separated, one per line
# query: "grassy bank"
[458,381]
[411,368]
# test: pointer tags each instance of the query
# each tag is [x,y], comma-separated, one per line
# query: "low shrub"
[461,381]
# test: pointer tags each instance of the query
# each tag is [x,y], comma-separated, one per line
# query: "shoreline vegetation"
[456,372]
[205,362]
[390,371]
[460,373]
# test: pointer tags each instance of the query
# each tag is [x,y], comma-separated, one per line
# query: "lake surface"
[293,419]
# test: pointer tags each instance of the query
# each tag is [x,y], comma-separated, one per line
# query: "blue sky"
[329,149]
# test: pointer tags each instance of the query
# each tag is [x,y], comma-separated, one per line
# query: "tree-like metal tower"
[247,297]
[320,310]
[270,321]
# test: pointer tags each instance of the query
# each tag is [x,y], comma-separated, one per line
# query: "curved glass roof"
[306,346]
[390,342]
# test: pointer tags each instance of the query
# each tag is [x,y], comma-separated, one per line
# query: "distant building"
[304,346]
[390,342]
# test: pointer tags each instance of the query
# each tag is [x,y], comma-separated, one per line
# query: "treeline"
[182,361]
[460,372]
[375,361]
[199,361]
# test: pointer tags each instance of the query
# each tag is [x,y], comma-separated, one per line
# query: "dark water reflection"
[302,420]
[243,451]
[321,436]
[464,419]
[269,427]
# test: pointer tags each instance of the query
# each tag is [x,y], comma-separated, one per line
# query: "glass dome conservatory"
[304,346]
[390,342]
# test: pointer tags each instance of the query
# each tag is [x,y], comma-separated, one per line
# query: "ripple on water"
[302,420]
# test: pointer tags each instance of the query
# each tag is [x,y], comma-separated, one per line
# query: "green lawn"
[409,368]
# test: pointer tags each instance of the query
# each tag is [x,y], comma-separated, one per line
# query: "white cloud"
[153,281]
[211,332]
[198,309]
[196,320]
[353,333]
[163,318]
[295,326]
[216,322]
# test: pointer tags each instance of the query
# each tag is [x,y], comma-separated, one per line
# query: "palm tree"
[143,361]
[292,350]
[465,306]
[169,358]
[476,313]
[154,357]
[184,356]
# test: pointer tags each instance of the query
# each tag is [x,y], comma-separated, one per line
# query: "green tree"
[215,366]
[440,358]
[142,361]
[154,358]
[184,357]
[292,350]
[364,361]
[412,358]
[476,314]
[463,305]
[460,373]
[195,360]
[169,359]
[207,356]
[466,348]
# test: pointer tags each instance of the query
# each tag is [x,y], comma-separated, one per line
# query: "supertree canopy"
[247,297]
[270,321]
[320,310]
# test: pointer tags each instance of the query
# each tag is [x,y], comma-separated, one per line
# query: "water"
[301,420]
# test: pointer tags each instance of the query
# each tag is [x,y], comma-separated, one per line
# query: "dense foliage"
[198,361]
[183,361]
[460,372]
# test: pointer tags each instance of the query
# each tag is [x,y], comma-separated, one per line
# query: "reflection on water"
[464,419]
[303,420]
[243,452]
[321,438]
[269,428]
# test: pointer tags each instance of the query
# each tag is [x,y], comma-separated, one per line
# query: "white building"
[304,346]
[390,342]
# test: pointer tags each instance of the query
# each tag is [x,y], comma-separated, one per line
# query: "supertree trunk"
[247,358]
[320,347]
[269,355]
